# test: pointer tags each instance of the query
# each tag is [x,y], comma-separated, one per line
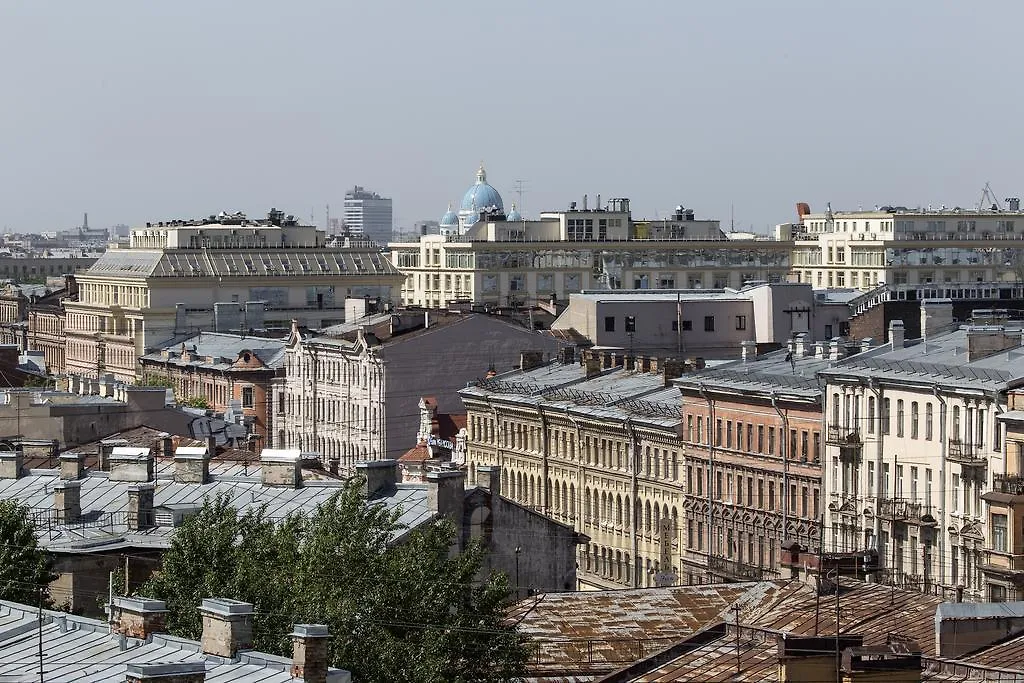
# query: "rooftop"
[778,372]
[219,351]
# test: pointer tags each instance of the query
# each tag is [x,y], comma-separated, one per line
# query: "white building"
[368,214]
[487,257]
[900,246]
[913,443]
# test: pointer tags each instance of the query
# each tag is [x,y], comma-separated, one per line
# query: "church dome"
[449,219]
[514,214]
[481,195]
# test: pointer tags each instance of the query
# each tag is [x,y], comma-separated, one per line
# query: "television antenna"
[988,199]
[520,191]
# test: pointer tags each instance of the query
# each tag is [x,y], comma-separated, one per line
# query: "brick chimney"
[67,501]
[131,463]
[309,652]
[567,355]
[11,464]
[138,617]
[379,476]
[591,363]
[72,466]
[748,350]
[897,334]
[281,467]
[191,465]
[528,360]
[227,627]
[140,506]
[178,672]
[446,493]
[165,445]
[671,369]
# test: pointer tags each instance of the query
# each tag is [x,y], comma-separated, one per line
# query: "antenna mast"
[988,199]
[520,191]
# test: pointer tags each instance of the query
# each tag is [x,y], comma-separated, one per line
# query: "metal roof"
[104,504]
[83,650]
[216,350]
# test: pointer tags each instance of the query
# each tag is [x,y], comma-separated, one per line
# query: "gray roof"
[768,373]
[104,504]
[979,610]
[292,262]
[83,650]
[224,350]
[941,360]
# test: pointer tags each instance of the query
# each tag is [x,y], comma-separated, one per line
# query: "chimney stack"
[379,476]
[166,445]
[567,355]
[897,338]
[446,493]
[489,477]
[138,617]
[67,501]
[131,463]
[72,466]
[191,465]
[281,467]
[936,317]
[672,369]
[211,446]
[178,672]
[748,350]
[800,346]
[11,464]
[309,652]
[592,364]
[834,350]
[227,627]
[528,360]
[140,506]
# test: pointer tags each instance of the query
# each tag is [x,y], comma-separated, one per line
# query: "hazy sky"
[138,111]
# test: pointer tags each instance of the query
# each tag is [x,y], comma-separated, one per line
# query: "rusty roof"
[1008,655]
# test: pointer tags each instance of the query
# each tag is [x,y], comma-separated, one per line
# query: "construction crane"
[988,200]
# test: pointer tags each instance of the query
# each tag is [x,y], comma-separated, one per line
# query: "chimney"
[567,355]
[73,384]
[131,463]
[748,350]
[178,672]
[986,341]
[446,493]
[654,364]
[165,444]
[489,477]
[227,627]
[671,369]
[379,476]
[897,339]
[644,362]
[67,501]
[211,445]
[800,345]
[334,465]
[138,617]
[528,360]
[11,464]
[309,652]
[72,466]
[866,343]
[191,465]
[629,362]
[834,350]
[592,364]
[936,317]
[281,467]
[140,506]
[106,385]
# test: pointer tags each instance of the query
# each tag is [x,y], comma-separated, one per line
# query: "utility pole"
[736,623]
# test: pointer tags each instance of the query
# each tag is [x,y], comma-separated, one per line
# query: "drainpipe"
[712,433]
[876,389]
[580,472]
[783,447]
[941,540]
[543,493]
[634,467]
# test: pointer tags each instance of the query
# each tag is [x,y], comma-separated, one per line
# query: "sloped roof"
[223,349]
[85,651]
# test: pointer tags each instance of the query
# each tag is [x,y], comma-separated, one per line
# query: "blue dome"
[514,214]
[481,195]
[449,219]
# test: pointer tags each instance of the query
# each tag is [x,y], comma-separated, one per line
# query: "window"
[955,431]
[913,420]
[718,432]
[709,323]
[760,438]
[999,529]
[687,325]
[871,479]
[675,325]
[899,417]
[771,441]
[741,322]
[928,421]
[630,324]
[871,414]
[609,323]
[247,397]
[885,415]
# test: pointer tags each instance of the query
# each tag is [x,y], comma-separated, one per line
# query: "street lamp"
[517,551]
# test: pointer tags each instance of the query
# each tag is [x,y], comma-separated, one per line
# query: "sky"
[144,111]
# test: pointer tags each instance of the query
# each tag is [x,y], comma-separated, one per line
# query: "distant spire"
[85,221]
[481,174]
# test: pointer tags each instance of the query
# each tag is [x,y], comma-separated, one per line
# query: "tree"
[414,611]
[26,570]
[195,402]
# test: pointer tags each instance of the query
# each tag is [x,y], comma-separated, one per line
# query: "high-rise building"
[368,214]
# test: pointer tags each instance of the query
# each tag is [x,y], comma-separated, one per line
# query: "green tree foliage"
[24,566]
[195,402]
[414,611]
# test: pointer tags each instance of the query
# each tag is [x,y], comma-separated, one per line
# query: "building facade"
[914,447]
[369,215]
[901,246]
[164,287]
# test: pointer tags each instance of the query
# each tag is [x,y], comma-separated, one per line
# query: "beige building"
[899,246]
[486,256]
[227,272]
[914,447]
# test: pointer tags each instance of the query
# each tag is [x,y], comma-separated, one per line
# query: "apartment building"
[712,323]
[368,214]
[901,246]
[357,397]
[32,318]
[163,287]
[914,447]
[752,441]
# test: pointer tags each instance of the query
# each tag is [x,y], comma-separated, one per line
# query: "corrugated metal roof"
[223,349]
[82,650]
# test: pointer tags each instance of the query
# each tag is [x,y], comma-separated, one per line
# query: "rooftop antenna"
[988,199]
[732,219]
[520,191]
[327,227]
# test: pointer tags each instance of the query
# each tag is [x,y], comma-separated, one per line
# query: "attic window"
[246,357]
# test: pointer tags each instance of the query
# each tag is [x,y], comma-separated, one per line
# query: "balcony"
[739,571]
[1011,484]
[906,511]
[843,436]
[967,454]
[844,505]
